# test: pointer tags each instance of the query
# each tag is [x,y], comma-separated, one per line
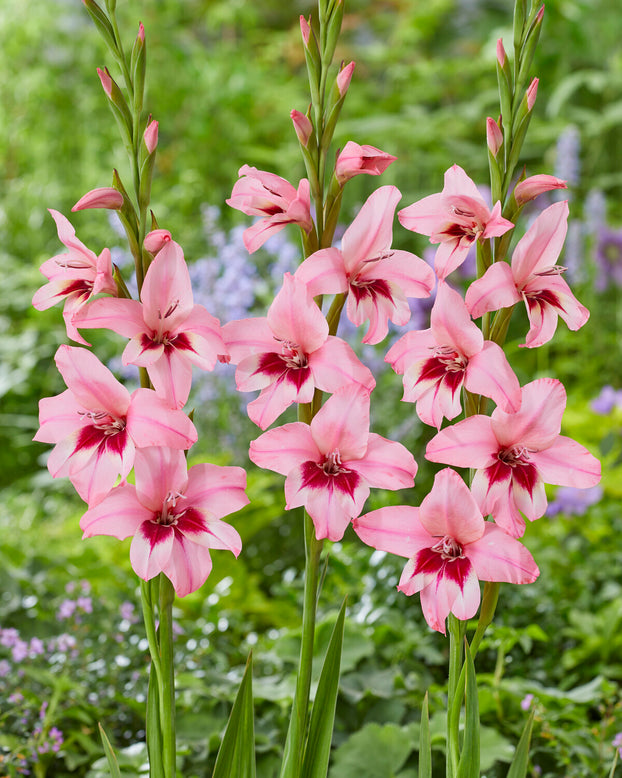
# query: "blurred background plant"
[423,85]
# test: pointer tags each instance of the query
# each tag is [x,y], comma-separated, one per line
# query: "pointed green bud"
[102,23]
[138,63]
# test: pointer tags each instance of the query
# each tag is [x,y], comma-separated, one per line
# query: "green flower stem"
[167,676]
[457,630]
[154,734]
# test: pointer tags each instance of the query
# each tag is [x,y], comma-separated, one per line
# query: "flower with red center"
[437,362]
[174,516]
[455,218]
[75,277]
[97,425]
[378,279]
[168,332]
[515,454]
[533,277]
[289,354]
[258,193]
[449,547]
[331,463]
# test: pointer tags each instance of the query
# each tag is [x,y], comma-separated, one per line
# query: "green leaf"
[425,745]
[468,767]
[112,760]
[317,749]
[518,768]
[236,755]
[375,751]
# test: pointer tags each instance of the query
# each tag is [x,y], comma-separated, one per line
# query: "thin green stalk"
[154,734]
[167,678]
[456,629]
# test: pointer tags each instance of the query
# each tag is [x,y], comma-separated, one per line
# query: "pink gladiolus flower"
[533,277]
[331,463]
[533,186]
[455,218]
[258,193]
[437,362]
[173,515]
[449,547]
[378,279]
[168,332]
[355,159]
[516,454]
[96,425]
[75,277]
[103,197]
[289,353]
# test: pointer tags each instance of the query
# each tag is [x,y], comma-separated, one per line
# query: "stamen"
[553,270]
[448,548]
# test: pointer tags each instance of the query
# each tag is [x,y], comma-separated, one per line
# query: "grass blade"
[112,759]
[468,766]
[518,768]
[236,756]
[425,745]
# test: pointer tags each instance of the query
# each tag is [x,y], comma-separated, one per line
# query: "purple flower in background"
[127,612]
[572,501]
[66,609]
[617,743]
[567,162]
[608,399]
[19,650]
[85,604]
[8,637]
[525,703]
[5,669]
[35,648]
[595,211]
[608,258]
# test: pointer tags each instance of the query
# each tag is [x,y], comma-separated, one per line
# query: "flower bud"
[355,159]
[494,136]
[344,77]
[150,136]
[305,29]
[106,79]
[156,240]
[103,197]
[303,127]
[532,93]
[535,185]
[501,57]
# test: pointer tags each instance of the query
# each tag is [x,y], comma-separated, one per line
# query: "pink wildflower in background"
[75,277]
[455,218]
[331,463]
[516,454]
[437,362]
[173,515]
[449,547]
[377,278]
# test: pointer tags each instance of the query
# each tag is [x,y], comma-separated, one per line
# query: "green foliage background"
[223,76]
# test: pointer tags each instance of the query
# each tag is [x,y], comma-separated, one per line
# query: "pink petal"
[451,254]
[496,225]
[423,216]
[538,422]
[332,511]
[171,376]
[567,463]
[295,318]
[167,292]
[452,325]
[93,385]
[498,557]
[59,416]
[494,290]
[342,424]
[335,364]
[275,399]
[541,245]
[386,464]
[411,273]
[151,422]
[159,471]
[395,529]
[119,515]
[489,374]
[220,535]
[450,509]
[246,337]
[542,321]
[371,232]
[151,549]
[458,184]
[412,347]
[323,272]
[94,481]
[497,498]
[124,317]
[284,448]
[67,235]
[216,489]
[188,566]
